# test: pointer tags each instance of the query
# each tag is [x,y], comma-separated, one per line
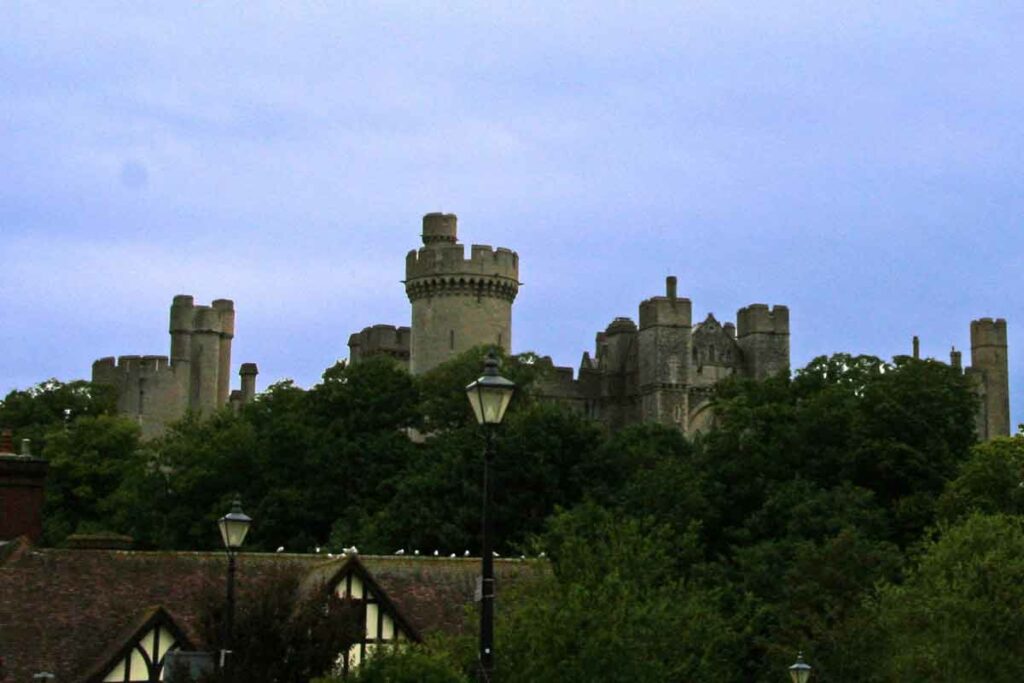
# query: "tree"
[33,413]
[88,463]
[613,611]
[960,613]
[281,633]
[992,481]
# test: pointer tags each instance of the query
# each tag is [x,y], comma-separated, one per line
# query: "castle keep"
[457,302]
[157,390]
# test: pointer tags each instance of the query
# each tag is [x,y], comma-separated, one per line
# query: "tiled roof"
[60,610]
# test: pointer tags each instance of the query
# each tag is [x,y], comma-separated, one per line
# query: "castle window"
[499,339]
[451,339]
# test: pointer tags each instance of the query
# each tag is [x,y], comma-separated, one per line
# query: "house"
[93,613]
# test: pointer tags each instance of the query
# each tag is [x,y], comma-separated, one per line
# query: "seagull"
[436,553]
[318,549]
[400,551]
[452,555]
[465,554]
[543,554]
[495,554]
[522,557]
[330,556]
[416,552]
[280,548]
[351,551]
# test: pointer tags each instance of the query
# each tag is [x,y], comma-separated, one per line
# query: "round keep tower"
[457,302]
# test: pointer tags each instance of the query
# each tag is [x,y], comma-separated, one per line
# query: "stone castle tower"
[157,390]
[991,375]
[457,302]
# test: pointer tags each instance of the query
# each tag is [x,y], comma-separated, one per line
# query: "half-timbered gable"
[382,623]
[141,651]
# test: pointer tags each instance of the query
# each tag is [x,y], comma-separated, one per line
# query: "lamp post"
[800,672]
[233,528]
[489,395]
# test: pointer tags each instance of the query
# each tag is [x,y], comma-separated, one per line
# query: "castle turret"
[205,359]
[763,336]
[457,303]
[663,357]
[226,309]
[989,364]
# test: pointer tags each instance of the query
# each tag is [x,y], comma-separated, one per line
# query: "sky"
[860,162]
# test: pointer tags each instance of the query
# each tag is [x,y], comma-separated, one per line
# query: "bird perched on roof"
[400,551]
[465,554]
[318,549]
[416,552]
[436,553]
[452,555]
[280,549]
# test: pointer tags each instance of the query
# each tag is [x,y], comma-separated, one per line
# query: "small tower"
[457,303]
[663,357]
[763,336]
[990,367]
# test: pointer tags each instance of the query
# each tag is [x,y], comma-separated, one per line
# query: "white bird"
[543,554]
[280,548]
[436,553]
[330,556]
[495,554]
[416,552]
[351,550]
[465,554]
[452,555]
[318,549]
[522,557]
[400,551]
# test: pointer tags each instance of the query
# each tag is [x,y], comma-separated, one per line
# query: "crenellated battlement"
[988,332]
[759,319]
[132,364]
[387,340]
[450,260]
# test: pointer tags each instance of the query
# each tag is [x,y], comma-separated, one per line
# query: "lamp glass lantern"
[234,526]
[800,672]
[490,394]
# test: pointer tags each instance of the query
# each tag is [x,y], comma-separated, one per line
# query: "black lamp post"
[800,672]
[489,395]
[233,528]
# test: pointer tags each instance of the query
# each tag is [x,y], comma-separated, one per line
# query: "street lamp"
[233,528]
[489,395]
[800,672]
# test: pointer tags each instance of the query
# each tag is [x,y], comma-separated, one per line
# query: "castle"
[662,370]
[157,390]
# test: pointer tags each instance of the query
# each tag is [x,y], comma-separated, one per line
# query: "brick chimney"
[22,481]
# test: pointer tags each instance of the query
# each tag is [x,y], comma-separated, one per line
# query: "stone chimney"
[22,482]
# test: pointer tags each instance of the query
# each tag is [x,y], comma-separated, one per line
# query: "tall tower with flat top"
[457,302]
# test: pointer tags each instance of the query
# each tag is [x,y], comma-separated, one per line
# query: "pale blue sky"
[860,162]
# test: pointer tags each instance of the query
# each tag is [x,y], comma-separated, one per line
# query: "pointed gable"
[139,652]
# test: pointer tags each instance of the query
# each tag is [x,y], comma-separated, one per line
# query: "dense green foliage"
[838,512]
